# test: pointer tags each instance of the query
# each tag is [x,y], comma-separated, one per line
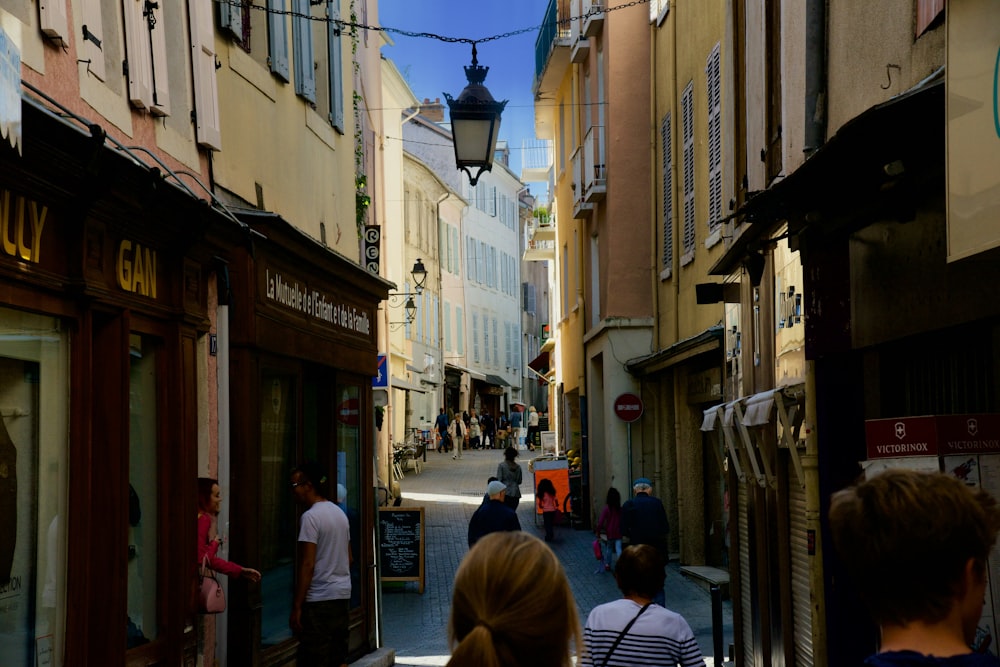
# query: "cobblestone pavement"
[416,626]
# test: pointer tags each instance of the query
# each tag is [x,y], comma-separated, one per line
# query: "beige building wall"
[865,38]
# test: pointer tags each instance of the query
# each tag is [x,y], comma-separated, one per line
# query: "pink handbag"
[597,549]
[211,598]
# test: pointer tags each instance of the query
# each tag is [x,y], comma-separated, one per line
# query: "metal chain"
[428,35]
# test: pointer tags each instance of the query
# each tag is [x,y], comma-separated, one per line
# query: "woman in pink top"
[609,527]
[209,502]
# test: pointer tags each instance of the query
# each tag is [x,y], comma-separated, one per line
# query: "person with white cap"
[494,516]
[644,521]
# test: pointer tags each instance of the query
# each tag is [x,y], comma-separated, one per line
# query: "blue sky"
[433,67]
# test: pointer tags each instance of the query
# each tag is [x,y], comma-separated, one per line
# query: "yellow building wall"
[274,140]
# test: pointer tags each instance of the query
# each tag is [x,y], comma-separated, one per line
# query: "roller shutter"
[800,561]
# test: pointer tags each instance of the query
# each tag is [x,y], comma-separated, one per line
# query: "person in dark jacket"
[494,516]
[644,521]
[489,430]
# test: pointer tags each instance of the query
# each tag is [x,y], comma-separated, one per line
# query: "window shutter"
[927,11]
[336,68]
[277,38]
[52,19]
[713,77]
[158,44]
[666,146]
[231,18]
[687,114]
[475,337]
[139,61]
[496,344]
[508,354]
[94,28]
[305,68]
[206,95]
[459,331]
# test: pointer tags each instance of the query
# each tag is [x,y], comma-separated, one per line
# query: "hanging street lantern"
[475,122]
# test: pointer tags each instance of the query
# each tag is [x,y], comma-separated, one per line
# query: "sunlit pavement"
[416,626]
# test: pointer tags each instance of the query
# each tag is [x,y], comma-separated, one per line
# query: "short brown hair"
[512,605]
[640,571]
[905,538]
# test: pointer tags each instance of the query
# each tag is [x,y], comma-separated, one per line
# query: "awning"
[475,375]
[497,380]
[406,385]
[709,340]
[540,364]
[758,412]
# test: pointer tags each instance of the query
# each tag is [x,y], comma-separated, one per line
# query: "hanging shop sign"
[933,435]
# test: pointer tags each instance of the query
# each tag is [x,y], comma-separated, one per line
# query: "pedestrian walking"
[322,594]
[548,503]
[512,606]
[475,431]
[509,472]
[441,424]
[609,528]
[456,431]
[532,428]
[494,516]
[644,521]
[635,631]
[915,546]
[489,430]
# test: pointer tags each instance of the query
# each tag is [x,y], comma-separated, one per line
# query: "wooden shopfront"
[303,353]
[104,285]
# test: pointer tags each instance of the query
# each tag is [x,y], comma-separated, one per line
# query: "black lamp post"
[475,122]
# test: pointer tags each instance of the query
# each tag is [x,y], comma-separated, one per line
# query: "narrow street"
[416,626]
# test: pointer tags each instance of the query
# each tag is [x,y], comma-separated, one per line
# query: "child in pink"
[545,496]
[610,524]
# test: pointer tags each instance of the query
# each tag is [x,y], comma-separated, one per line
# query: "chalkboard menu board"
[401,544]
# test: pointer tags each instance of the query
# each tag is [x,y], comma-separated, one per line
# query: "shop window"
[349,475]
[278,521]
[33,489]
[142,491]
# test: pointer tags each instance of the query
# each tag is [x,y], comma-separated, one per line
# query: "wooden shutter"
[277,38]
[231,18]
[206,94]
[92,38]
[687,120]
[138,57]
[927,11]
[713,78]
[772,152]
[53,20]
[160,67]
[302,45]
[666,147]
[336,69]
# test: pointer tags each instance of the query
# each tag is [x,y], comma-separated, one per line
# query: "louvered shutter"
[668,193]
[713,79]
[687,114]
[336,69]
[158,47]
[206,95]
[277,38]
[53,20]
[302,50]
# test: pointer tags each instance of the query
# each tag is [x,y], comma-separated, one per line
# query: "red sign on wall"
[934,435]
[349,411]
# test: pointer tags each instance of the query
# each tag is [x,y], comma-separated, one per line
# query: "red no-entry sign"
[628,407]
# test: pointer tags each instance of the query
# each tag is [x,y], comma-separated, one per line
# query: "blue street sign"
[382,379]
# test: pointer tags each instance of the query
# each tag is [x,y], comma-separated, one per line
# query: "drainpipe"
[440,311]
[815,102]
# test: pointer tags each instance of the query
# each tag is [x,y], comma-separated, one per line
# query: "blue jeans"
[323,642]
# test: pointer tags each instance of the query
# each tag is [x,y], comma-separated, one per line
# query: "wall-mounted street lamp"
[475,122]
[396,299]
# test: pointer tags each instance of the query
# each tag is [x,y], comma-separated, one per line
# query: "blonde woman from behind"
[512,606]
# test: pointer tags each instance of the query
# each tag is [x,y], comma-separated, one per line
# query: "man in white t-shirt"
[321,605]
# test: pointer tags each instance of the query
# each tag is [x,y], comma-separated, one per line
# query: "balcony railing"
[594,165]
[594,23]
[536,160]
[554,33]
[581,45]
[581,208]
